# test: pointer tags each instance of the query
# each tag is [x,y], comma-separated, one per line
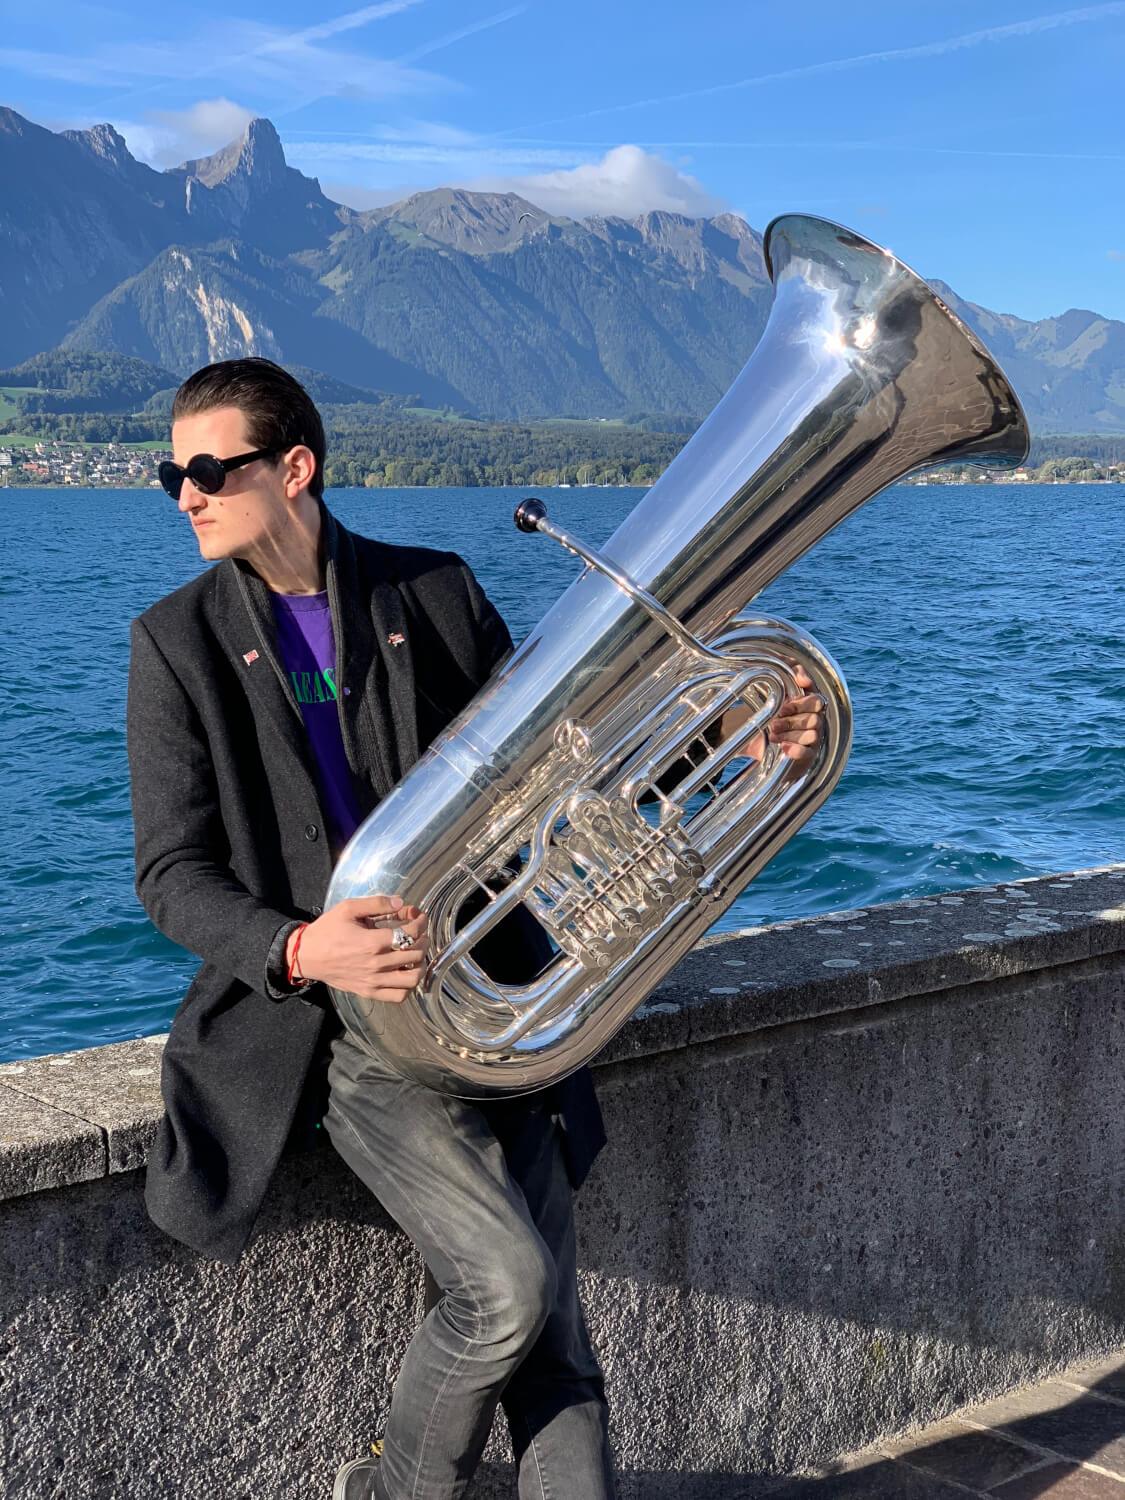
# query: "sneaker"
[356,1479]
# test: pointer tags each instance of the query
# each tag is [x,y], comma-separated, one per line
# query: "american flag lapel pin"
[396,638]
[249,656]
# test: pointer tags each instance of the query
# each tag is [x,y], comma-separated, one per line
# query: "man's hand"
[347,950]
[798,725]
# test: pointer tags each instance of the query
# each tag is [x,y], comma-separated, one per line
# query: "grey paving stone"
[1106,1377]
[1006,1461]
[970,1457]
[1087,1428]
[883,1481]
[1048,1395]
[1061,1481]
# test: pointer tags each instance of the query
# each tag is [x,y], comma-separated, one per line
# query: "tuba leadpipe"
[588,781]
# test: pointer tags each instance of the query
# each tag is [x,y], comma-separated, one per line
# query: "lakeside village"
[50,464]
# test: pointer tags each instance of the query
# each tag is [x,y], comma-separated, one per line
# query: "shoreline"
[374,488]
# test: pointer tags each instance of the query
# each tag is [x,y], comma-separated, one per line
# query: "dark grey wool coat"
[231,844]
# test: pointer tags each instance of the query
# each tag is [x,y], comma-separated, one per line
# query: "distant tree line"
[1102,448]
[87,427]
[35,401]
[1073,470]
[366,451]
[412,451]
[62,381]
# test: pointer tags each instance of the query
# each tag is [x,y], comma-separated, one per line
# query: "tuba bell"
[587,781]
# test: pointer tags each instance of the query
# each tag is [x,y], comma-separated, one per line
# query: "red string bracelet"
[293,969]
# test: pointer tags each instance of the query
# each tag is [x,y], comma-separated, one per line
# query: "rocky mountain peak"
[248,188]
[1072,324]
[725,243]
[13,123]
[105,144]
[476,223]
[737,228]
[257,158]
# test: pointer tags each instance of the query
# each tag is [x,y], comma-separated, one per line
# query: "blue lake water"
[981,631]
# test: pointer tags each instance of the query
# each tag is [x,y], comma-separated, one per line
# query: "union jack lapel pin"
[249,656]
[396,638]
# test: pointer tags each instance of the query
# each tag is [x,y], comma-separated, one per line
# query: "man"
[273,700]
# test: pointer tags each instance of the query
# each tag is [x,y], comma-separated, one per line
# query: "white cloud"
[626,181]
[167,137]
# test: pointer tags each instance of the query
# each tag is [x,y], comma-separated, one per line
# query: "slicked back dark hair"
[279,411]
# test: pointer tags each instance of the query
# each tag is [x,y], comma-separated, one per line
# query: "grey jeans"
[481,1189]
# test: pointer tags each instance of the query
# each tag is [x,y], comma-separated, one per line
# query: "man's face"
[251,507]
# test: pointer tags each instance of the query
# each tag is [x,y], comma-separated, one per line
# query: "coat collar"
[374,661]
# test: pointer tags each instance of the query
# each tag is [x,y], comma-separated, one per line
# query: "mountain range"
[479,302]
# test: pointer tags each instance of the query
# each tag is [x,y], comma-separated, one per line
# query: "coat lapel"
[374,660]
[393,639]
[379,716]
[244,622]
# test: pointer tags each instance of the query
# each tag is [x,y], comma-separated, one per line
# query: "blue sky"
[981,140]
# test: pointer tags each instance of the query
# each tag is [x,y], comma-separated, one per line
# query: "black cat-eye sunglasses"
[205,471]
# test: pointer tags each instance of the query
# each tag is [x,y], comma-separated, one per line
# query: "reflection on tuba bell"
[586,781]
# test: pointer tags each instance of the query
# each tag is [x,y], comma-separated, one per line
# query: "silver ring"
[400,938]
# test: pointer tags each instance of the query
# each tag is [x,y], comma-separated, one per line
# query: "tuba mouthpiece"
[529,513]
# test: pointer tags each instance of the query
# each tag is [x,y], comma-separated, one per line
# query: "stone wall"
[862,1169]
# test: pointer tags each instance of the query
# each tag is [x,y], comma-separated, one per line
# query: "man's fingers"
[391,987]
[382,939]
[372,906]
[809,703]
[396,979]
[403,958]
[784,725]
[388,958]
[800,737]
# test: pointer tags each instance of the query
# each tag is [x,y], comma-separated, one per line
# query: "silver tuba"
[587,781]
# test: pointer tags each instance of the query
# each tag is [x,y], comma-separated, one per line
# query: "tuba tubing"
[586,782]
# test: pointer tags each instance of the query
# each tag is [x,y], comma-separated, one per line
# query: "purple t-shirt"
[308,655]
